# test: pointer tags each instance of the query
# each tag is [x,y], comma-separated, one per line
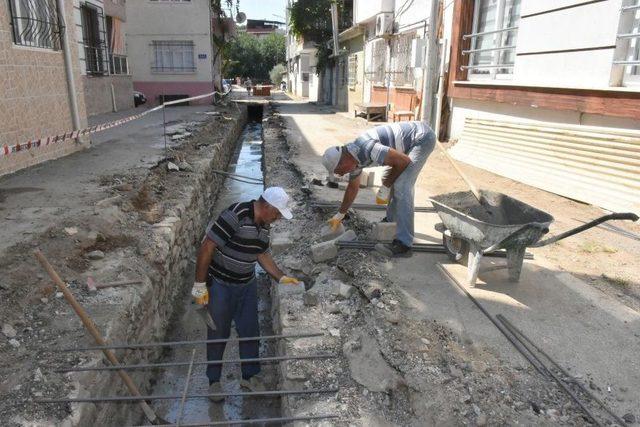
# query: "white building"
[170,48]
[302,80]
[546,92]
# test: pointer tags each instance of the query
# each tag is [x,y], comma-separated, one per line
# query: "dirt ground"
[457,370]
[104,214]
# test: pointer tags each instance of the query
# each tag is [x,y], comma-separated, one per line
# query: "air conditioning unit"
[384,24]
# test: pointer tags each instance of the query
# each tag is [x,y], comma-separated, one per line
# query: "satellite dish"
[241,17]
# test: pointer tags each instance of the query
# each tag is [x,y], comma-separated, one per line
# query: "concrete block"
[342,185]
[342,290]
[285,290]
[326,233]
[371,178]
[348,236]
[280,243]
[324,251]
[384,231]
[364,179]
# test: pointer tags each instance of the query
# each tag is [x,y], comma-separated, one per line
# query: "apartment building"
[36,86]
[547,93]
[302,79]
[170,49]
[100,35]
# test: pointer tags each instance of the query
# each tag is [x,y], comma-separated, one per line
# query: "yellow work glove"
[382,198]
[286,280]
[335,221]
[200,293]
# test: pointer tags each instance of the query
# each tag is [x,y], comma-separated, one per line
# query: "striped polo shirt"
[372,146]
[239,241]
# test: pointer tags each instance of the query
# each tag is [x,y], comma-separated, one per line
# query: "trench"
[247,160]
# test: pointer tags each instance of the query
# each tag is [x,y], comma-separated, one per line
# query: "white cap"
[277,198]
[331,158]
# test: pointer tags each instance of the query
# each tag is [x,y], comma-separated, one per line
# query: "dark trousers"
[237,302]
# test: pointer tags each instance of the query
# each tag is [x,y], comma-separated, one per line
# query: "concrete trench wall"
[145,314]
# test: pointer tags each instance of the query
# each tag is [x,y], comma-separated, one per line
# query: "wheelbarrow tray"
[500,222]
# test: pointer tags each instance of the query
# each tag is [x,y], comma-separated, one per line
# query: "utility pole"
[430,65]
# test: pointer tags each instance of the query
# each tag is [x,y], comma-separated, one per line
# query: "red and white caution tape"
[43,142]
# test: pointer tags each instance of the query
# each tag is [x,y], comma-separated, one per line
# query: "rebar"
[205,362]
[421,247]
[564,372]
[367,207]
[186,388]
[281,420]
[129,399]
[195,342]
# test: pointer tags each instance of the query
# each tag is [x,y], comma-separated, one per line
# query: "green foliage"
[249,56]
[275,75]
[311,20]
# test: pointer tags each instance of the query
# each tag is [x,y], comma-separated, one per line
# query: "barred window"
[94,39]
[628,43]
[378,62]
[353,71]
[35,23]
[173,57]
[401,70]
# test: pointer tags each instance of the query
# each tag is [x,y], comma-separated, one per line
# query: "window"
[628,43]
[93,39]
[353,71]
[493,41]
[377,73]
[35,23]
[401,70]
[173,57]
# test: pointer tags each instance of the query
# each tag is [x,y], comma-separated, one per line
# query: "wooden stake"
[93,330]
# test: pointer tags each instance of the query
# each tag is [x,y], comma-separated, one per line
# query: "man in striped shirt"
[404,147]
[225,271]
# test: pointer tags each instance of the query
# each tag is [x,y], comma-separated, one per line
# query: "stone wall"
[35,101]
[144,314]
[98,93]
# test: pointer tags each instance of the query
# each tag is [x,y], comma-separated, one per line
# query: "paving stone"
[384,231]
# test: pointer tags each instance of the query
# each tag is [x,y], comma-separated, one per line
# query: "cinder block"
[326,233]
[384,231]
[371,179]
[324,251]
[364,179]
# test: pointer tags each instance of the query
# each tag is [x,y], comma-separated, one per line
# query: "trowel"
[203,312]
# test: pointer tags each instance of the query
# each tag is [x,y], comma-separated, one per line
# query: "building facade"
[302,80]
[261,28]
[35,99]
[546,92]
[100,35]
[170,49]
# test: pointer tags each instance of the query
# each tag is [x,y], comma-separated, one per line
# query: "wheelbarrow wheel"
[457,249]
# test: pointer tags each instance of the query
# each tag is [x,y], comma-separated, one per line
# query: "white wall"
[589,26]
[409,14]
[364,10]
[174,21]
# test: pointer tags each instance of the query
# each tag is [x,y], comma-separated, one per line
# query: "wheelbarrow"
[470,229]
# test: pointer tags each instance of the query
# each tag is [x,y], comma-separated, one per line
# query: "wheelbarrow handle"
[613,216]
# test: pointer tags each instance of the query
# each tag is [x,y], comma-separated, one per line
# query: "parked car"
[138,98]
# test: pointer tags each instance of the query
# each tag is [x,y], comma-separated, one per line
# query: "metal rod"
[196,342]
[484,33]
[231,174]
[629,8]
[626,62]
[585,390]
[627,36]
[555,377]
[519,346]
[186,388]
[468,67]
[489,49]
[367,207]
[205,362]
[421,247]
[125,399]
[281,420]
[629,216]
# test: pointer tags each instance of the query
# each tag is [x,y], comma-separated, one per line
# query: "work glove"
[286,280]
[200,293]
[335,221]
[382,198]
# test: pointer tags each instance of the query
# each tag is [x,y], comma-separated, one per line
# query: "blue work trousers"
[237,302]
[401,208]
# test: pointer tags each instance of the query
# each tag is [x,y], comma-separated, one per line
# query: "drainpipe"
[68,67]
[430,65]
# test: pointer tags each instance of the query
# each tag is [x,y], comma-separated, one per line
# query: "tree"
[276,73]
[254,57]
[220,36]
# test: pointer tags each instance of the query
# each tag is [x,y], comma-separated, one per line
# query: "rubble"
[368,367]
[8,331]
[95,255]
